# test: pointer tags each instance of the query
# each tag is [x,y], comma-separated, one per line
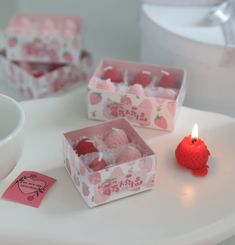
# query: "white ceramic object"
[11,134]
[174,35]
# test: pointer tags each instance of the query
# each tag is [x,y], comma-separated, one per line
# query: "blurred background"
[162,32]
[111,27]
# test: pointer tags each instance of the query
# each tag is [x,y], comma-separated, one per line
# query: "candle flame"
[195,131]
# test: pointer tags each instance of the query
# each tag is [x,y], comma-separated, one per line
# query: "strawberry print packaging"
[38,80]
[146,95]
[44,38]
[108,161]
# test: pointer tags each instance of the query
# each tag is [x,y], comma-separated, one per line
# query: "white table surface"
[181,209]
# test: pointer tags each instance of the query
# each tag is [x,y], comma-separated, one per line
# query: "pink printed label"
[29,188]
[131,182]
[140,115]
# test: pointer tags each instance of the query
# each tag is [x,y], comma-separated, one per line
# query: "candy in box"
[38,80]
[44,38]
[108,161]
[146,95]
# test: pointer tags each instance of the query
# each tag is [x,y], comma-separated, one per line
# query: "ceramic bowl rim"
[20,124]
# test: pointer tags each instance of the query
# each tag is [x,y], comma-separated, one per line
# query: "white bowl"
[12,119]
[171,36]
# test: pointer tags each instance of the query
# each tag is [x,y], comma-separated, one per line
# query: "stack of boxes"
[43,54]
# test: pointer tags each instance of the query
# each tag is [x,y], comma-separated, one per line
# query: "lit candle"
[192,153]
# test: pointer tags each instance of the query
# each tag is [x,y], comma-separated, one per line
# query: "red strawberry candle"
[85,146]
[98,163]
[144,78]
[167,80]
[192,153]
[113,74]
[115,138]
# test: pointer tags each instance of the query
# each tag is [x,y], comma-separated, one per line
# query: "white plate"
[182,209]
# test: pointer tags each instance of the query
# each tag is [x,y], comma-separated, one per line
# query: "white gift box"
[38,80]
[116,180]
[177,35]
[44,38]
[152,107]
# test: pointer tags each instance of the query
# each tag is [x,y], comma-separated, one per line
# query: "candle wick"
[100,156]
[194,140]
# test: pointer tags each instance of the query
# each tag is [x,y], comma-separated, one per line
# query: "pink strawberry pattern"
[85,189]
[116,173]
[126,100]
[95,98]
[98,198]
[161,122]
[95,178]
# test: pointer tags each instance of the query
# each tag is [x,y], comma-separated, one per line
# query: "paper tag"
[29,188]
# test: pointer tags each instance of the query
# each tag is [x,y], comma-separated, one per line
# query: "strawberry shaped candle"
[130,153]
[98,163]
[167,80]
[113,74]
[115,138]
[192,153]
[85,146]
[144,78]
